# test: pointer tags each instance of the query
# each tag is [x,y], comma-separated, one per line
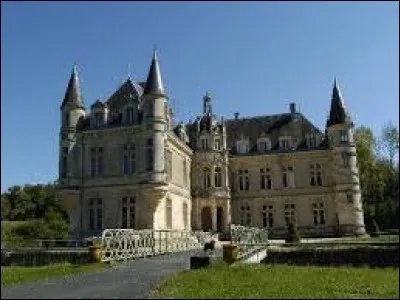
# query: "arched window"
[206,178]
[168,213]
[218,177]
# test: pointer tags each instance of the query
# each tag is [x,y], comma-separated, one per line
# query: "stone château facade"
[125,165]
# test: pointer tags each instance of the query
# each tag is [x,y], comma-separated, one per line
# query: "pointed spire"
[338,114]
[73,94]
[154,85]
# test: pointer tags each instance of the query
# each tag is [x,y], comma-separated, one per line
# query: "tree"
[390,141]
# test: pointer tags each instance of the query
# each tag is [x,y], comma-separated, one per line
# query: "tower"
[72,111]
[154,104]
[345,172]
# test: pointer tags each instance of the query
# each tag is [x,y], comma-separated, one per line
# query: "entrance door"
[220,218]
[206,219]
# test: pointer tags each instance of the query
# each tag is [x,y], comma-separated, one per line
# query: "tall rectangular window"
[95,214]
[149,155]
[130,115]
[290,213]
[98,119]
[93,156]
[185,173]
[217,144]
[267,216]
[344,138]
[315,175]
[129,212]
[100,161]
[345,160]
[168,163]
[96,161]
[126,161]
[132,153]
[64,162]
[288,177]
[265,179]
[318,213]
[204,143]
[245,215]
[244,181]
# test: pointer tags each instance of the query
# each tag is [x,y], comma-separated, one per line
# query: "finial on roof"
[129,70]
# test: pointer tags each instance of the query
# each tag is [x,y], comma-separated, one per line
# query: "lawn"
[13,275]
[281,281]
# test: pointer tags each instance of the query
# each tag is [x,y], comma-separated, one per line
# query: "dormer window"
[285,143]
[217,144]
[344,138]
[242,146]
[263,145]
[204,143]
[311,141]
[130,115]
[98,119]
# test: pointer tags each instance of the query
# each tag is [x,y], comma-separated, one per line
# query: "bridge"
[147,257]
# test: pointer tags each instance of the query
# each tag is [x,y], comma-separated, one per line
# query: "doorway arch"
[206,219]
[220,219]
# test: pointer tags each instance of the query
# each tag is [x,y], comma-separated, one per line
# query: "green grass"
[13,275]
[281,281]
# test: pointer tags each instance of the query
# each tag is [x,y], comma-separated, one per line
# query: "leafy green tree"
[390,141]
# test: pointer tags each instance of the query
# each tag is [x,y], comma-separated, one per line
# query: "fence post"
[153,242]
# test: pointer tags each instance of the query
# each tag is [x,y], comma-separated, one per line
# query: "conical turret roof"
[337,114]
[73,94]
[154,85]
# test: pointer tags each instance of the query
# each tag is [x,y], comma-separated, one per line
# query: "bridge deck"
[132,280]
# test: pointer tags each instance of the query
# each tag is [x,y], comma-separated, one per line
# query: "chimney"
[236,114]
[292,108]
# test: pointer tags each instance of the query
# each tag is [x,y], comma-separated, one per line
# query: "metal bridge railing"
[248,239]
[126,244]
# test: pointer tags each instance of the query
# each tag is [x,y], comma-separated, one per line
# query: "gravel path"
[133,280]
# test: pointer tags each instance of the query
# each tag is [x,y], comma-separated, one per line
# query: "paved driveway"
[133,280]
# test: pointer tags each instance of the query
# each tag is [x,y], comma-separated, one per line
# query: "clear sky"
[253,57]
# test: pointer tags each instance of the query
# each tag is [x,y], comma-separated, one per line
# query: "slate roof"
[337,114]
[154,85]
[73,95]
[273,126]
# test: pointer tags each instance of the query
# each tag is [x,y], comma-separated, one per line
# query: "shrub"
[293,234]
[374,229]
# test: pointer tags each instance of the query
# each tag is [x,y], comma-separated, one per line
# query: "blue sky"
[253,57]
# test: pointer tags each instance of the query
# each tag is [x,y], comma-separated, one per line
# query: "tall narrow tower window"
[64,164]
[149,155]
[344,138]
